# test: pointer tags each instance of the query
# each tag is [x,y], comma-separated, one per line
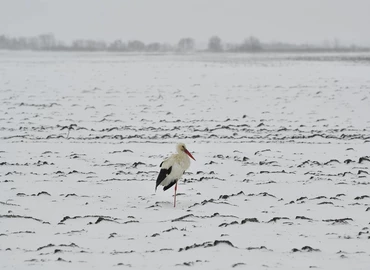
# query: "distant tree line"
[253,44]
[215,44]
[47,42]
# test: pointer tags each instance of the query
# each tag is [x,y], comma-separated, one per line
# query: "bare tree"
[336,44]
[153,47]
[136,46]
[251,44]
[214,44]
[88,45]
[47,41]
[117,45]
[165,47]
[186,45]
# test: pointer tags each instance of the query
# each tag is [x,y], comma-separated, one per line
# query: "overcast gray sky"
[296,21]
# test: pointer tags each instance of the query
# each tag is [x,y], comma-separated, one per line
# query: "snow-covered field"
[281,181]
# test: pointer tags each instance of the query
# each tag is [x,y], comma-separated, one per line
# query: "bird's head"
[181,148]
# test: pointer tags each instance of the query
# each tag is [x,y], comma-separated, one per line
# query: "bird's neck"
[183,154]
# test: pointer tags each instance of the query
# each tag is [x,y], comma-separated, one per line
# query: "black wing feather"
[162,175]
[169,185]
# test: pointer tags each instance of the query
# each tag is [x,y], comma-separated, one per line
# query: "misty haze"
[184,134]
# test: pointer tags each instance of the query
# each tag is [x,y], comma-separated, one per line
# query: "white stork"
[173,168]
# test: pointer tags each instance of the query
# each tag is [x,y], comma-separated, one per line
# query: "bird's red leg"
[174,203]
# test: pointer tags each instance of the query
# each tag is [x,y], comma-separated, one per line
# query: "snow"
[280,181]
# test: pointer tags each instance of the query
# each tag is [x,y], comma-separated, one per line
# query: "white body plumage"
[178,163]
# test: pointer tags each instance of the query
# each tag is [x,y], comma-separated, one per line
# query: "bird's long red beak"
[188,153]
